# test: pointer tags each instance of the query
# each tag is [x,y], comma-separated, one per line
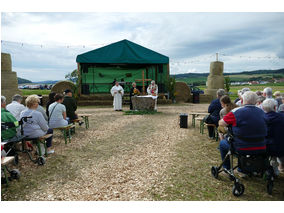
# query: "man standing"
[16,107]
[133,91]
[117,92]
[153,90]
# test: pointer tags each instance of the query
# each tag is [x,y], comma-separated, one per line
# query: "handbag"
[207,119]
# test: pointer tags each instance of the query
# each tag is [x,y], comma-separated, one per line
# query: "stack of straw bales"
[9,80]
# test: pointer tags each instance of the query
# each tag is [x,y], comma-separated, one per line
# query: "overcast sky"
[44,46]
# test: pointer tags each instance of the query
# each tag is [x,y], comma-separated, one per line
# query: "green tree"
[73,76]
[227,83]
[171,87]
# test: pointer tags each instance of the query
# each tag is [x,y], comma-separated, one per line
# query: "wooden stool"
[66,129]
[201,125]
[86,119]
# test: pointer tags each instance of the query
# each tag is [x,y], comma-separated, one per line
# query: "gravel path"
[119,158]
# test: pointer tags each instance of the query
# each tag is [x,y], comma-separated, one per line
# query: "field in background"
[35,92]
[234,89]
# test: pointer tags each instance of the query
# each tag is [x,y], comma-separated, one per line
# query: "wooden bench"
[196,114]
[4,162]
[66,129]
[86,119]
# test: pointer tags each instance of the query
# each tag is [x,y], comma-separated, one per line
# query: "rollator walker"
[252,165]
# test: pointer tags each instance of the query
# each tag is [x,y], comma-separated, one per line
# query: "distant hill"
[46,82]
[192,75]
[256,75]
[23,81]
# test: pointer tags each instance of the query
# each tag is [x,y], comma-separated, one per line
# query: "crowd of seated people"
[257,123]
[42,121]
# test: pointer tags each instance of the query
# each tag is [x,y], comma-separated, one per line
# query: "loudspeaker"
[85,89]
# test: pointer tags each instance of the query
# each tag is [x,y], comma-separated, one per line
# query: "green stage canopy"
[122,52]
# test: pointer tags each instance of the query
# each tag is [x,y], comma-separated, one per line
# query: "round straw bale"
[6,62]
[61,86]
[216,68]
[182,92]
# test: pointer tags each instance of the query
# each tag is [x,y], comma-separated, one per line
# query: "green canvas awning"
[122,52]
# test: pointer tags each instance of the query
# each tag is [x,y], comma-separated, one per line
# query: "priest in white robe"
[153,91]
[117,92]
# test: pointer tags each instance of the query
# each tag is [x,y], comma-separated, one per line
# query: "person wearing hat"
[278,98]
[71,106]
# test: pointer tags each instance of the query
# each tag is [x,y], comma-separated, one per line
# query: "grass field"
[35,92]
[234,89]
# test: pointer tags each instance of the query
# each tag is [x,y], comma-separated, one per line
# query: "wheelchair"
[249,164]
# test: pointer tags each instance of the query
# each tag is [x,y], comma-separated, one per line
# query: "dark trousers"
[49,140]
[131,106]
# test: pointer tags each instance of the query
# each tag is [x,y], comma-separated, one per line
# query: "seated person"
[240,102]
[50,101]
[249,128]
[275,142]
[16,107]
[214,110]
[71,106]
[227,107]
[278,98]
[57,113]
[36,126]
[6,116]
[281,108]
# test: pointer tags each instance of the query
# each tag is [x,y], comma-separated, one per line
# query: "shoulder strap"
[51,112]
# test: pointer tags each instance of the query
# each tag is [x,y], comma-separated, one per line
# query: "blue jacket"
[275,136]
[250,130]
[214,110]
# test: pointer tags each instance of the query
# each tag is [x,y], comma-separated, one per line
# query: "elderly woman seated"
[275,143]
[36,126]
[57,113]
[248,126]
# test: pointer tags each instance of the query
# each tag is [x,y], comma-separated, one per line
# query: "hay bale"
[216,68]
[61,86]
[182,92]
[6,62]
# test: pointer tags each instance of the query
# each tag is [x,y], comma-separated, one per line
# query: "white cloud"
[191,38]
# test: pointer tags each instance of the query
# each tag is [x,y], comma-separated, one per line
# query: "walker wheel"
[41,161]
[15,174]
[214,171]
[238,189]
[269,187]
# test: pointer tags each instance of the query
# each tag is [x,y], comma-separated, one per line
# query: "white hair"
[133,83]
[3,100]
[152,81]
[17,97]
[245,90]
[220,93]
[269,105]
[250,97]
[268,92]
